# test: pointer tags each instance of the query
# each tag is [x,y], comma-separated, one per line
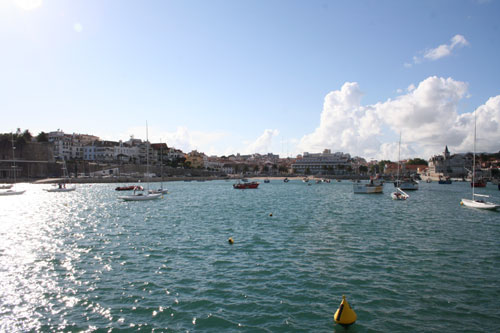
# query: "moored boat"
[478,183]
[446,180]
[374,186]
[473,202]
[243,186]
[399,195]
[129,188]
[406,184]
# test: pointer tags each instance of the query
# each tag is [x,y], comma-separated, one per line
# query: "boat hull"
[407,186]
[68,189]
[12,192]
[479,204]
[129,188]
[141,197]
[158,191]
[367,189]
[243,186]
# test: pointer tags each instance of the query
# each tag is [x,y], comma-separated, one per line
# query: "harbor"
[73,261]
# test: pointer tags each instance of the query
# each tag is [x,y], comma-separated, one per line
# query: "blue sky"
[257,76]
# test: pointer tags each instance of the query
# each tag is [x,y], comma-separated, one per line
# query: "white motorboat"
[5,187]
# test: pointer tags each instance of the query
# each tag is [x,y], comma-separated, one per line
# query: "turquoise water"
[85,261]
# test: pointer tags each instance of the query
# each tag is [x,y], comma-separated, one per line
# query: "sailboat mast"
[13,158]
[147,156]
[474,158]
[399,158]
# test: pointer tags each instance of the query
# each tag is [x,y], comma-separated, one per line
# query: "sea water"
[86,261]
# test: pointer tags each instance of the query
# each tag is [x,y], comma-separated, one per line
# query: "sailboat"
[63,187]
[399,194]
[11,191]
[139,196]
[473,202]
[161,190]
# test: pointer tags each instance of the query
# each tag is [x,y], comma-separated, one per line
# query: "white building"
[322,163]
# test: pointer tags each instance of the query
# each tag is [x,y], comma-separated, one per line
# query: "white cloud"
[263,143]
[345,125]
[28,4]
[441,51]
[427,115]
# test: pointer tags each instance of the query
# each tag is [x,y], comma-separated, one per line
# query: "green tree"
[42,137]
[363,169]
[417,161]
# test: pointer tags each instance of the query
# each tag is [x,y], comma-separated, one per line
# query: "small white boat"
[399,194]
[61,189]
[158,191]
[140,196]
[11,192]
[473,202]
[406,184]
[480,204]
[5,187]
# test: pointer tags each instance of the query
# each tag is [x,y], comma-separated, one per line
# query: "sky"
[263,76]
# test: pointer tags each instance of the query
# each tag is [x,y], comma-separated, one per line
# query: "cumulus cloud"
[263,143]
[345,125]
[443,50]
[427,115]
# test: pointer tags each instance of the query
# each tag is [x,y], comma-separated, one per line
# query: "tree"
[42,137]
[27,135]
[381,165]
[416,161]
[363,169]
[308,171]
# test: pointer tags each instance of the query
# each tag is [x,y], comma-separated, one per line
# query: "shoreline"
[100,180]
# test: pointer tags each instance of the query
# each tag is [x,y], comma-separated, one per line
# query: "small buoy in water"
[345,315]
[270,214]
[230,240]
[461,203]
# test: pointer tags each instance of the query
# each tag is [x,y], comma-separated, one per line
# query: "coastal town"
[86,156]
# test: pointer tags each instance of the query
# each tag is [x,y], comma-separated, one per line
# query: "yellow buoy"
[345,315]
[230,240]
